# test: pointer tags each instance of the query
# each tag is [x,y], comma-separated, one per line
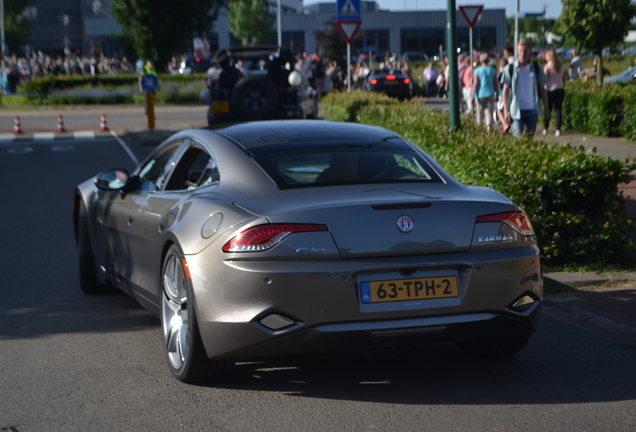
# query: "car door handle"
[162,228]
[130,220]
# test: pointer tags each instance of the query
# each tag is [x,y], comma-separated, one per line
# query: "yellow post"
[150,103]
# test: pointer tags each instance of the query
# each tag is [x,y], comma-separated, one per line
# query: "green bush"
[57,90]
[570,194]
[601,112]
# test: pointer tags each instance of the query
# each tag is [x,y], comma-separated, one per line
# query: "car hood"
[364,221]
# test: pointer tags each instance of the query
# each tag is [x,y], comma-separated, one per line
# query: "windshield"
[328,167]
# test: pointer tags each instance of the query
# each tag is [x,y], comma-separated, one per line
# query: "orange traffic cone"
[17,129]
[103,126]
[60,123]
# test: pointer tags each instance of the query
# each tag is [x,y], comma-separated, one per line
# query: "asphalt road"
[74,362]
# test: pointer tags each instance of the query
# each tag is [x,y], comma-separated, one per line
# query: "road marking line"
[84,134]
[44,135]
[125,147]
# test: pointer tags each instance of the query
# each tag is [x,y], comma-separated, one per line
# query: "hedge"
[606,112]
[53,90]
[570,194]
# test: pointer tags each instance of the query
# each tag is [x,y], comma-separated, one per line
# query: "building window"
[484,38]
[427,40]
[375,41]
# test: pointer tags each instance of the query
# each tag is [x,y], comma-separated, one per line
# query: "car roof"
[253,51]
[267,137]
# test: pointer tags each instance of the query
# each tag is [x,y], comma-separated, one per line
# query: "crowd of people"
[38,64]
[514,89]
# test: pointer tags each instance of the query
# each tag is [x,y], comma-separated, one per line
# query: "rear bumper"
[321,301]
[367,336]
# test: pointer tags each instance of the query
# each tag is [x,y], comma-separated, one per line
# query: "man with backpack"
[523,90]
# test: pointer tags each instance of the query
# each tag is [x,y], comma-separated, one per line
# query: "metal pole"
[278,24]
[348,67]
[517,29]
[453,84]
[2,41]
[472,72]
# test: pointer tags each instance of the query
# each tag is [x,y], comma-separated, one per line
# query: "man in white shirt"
[576,66]
[523,91]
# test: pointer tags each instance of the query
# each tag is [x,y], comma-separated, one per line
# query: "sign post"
[453,84]
[348,21]
[149,84]
[471,14]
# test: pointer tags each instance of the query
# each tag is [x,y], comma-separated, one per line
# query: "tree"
[529,28]
[157,29]
[16,28]
[331,44]
[250,20]
[595,24]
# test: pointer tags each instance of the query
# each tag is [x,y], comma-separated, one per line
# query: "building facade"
[89,26]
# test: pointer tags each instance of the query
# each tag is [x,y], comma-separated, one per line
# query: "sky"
[553,9]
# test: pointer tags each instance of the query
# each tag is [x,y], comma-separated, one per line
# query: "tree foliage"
[250,20]
[158,29]
[331,44]
[16,30]
[592,25]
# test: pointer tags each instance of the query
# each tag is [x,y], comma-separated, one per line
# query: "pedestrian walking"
[430,75]
[485,86]
[523,91]
[555,89]
[505,126]
[467,83]
[509,54]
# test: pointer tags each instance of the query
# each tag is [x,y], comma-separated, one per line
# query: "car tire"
[89,280]
[184,349]
[254,98]
[495,347]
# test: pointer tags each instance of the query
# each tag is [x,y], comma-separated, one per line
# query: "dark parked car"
[194,64]
[263,86]
[297,236]
[391,82]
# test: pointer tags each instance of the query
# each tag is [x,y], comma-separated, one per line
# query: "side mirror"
[112,180]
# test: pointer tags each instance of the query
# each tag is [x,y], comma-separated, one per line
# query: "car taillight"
[516,220]
[374,81]
[407,81]
[390,77]
[263,237]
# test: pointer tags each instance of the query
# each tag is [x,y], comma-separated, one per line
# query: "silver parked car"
[282,237]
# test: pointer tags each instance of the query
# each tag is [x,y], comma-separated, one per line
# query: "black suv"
[253,83]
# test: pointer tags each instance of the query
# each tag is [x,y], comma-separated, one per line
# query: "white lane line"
[44,135]
[7,137]
[125,147]
[84,134]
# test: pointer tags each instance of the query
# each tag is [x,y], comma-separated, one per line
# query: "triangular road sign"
[348,29]
[471,13]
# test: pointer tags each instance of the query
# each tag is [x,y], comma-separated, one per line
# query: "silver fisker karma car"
[294,236]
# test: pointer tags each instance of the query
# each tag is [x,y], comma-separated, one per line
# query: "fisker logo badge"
[405,223]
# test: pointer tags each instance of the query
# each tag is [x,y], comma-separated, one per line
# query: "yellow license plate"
[220,107]
[391,82]
[409,289]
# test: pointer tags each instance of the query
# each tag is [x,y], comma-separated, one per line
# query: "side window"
[196,168]
[153,175]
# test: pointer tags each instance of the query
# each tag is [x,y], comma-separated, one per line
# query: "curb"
[578,280]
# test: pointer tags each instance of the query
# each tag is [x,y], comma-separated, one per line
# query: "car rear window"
[329,167]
